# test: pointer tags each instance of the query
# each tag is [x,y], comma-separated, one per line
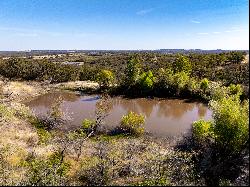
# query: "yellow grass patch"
[78,84]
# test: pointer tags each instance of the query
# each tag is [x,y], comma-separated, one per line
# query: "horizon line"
[27,50]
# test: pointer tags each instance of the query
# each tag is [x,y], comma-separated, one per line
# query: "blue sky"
[124,24]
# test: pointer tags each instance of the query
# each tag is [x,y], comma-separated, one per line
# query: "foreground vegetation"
[34,152]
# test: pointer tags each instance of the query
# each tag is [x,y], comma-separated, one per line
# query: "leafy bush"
[133,123]
[204,84]
[9,68]
[88,125]
[164,78]
[182,63]
[202,130]
[94,170]
[105,78]
[88,73]
[231,123]
[216,91]
[236,57]
[235,89]
[64,73]
[50,171]
[6,113]
[132,72]
[224,141]
[193,85]
[180,81]
[175,83]
[44,136]
[230,126]
[146,80]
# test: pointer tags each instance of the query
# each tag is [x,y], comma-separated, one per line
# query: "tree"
[182,63]
[105,78]
[204,84]
[132,72]
[236,57]
[224,142]
[146,80]
[180,81]
[9,68]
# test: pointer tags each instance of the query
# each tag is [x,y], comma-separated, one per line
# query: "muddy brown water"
[164,117]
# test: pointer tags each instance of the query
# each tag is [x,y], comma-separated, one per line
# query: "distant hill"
[101,52]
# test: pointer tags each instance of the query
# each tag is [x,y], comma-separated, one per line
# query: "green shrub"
[88,73]
[133,123]
[164,78]
[42,130]
[88,125]
[132,72]
[230,126]
[9,68]
[182,63]
[204,84]
[231,123]
[46,172]
[48,70]
[146,80]
[29,70]
[235,89]
[180,81]
[105,78]
[202,130]
[44,136]
[216,91]
[236,57]
[193,85]
[64,73]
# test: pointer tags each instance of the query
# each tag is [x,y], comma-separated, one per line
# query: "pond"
[164,117]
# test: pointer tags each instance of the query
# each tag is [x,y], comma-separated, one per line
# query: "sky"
[124,24]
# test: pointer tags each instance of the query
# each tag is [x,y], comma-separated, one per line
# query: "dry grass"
[74,85]
[19,137]
[18,91]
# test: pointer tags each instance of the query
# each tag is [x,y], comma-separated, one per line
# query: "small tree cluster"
[133,123]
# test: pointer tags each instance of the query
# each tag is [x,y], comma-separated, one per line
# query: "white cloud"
[15,29]
[145,11]
[235,29]
[194,21]
[216,32]
[203,33]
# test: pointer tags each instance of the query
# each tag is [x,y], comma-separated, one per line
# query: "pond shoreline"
[163,117]
[26,90]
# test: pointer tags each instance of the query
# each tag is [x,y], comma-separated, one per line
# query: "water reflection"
[163,117]
[47,99]
[174,108]
[202,110]
[92,98]
[144,106]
